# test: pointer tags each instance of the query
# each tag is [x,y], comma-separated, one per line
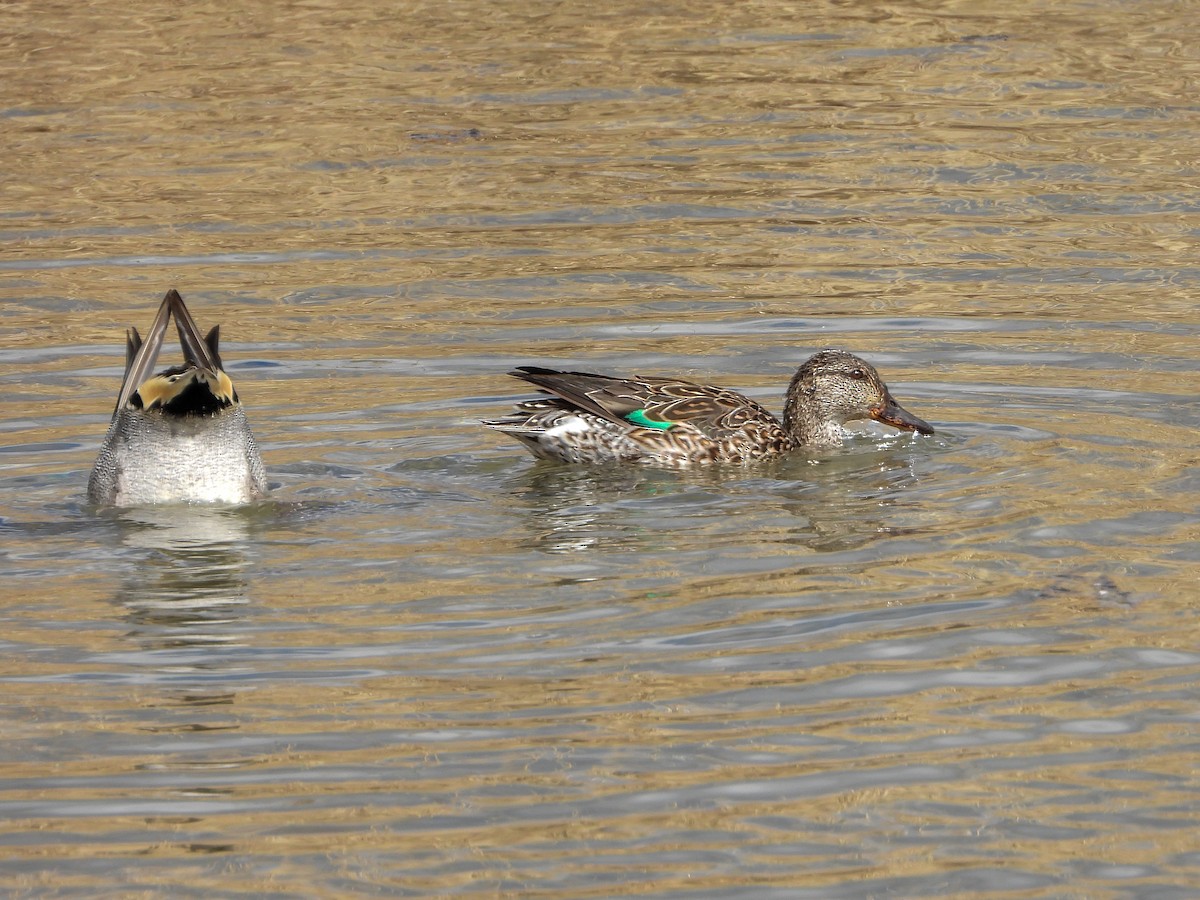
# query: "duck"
[590,418]
[181,435]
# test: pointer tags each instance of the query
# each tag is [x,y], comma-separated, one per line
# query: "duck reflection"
[189,588]
[569,509]
[846,501]
[825,503]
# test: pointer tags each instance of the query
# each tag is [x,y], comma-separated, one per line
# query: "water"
[952,666]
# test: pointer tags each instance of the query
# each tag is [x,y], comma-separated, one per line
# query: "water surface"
[960,665]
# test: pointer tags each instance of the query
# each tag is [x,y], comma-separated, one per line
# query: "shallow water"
[958,665]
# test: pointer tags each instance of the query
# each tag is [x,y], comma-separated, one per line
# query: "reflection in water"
[188,589]
[568,509]
[1086,589]
[831,503]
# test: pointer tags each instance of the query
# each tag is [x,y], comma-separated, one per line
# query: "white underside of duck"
[150,458]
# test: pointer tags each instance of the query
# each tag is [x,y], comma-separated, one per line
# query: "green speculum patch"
[639,417]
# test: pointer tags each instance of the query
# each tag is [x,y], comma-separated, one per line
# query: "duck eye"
[858,374]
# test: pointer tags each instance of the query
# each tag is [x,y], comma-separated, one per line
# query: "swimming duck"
[667,421]
[180,436]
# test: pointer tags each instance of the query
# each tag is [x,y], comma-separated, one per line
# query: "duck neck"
[808,420]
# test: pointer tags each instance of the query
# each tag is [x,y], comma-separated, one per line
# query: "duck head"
[835,387]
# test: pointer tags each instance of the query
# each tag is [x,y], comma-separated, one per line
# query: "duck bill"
[140,356]
[892,413]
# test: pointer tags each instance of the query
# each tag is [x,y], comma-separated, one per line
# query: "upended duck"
[668,421]
[180,436]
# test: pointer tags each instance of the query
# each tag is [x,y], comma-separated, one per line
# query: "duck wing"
[198,351]
[140,356]
[657,403]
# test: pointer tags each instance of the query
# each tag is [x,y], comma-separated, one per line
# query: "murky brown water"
[956,666]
